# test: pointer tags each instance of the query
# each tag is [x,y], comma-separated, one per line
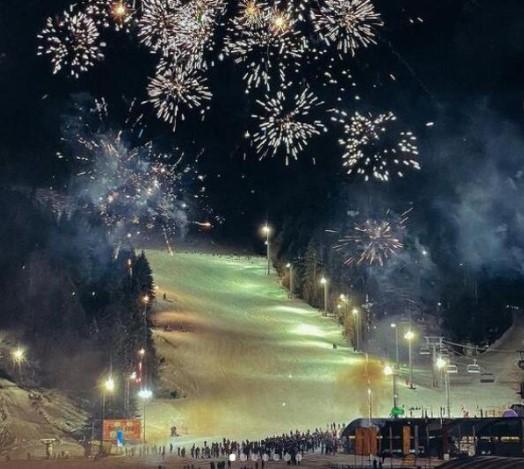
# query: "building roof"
[485,462]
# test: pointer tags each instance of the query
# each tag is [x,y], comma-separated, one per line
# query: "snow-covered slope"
[27,416]
[250,362]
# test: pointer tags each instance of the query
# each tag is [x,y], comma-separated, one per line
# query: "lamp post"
[145,394]
[356,328]
[291,279]
[345,301]
[108,387]
[266,229]
[409,336]
[390,371]
[442,365]
[324,283]
[397,354]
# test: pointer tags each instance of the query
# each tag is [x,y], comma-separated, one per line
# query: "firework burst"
[373,149]
[71,41]
[176,89]
[135,189]
[349,24]
[264,39]
[374,240]
[195,29]
[157,25]
[286,125]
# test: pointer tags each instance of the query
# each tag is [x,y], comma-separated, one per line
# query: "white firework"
[196,23]
[157,26]
[265,40]
[176,89]
[349,24]
[374,148]
[71,41]
[286,125]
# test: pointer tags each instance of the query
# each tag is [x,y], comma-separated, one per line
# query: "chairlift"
[473,367]
[424,350]
[452,369]
[487,378]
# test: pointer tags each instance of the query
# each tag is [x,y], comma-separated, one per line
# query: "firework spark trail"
[176,88]
[373,149]
[72,41]
[264,39]
[374,240]
[349,24]
[286,125]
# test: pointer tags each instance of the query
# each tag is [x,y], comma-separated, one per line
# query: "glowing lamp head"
[323,281]
[18,355]
[142,352]
[388,370]
[393,325]
[266,229]
[409,335]
[145,299]
[145,394]
[288,265]
[355,312]
[441,363]
[109,384]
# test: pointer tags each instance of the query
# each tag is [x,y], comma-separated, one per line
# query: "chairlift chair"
[452,369]
[473,367]
[424,350]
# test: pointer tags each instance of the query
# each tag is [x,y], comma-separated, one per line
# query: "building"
[435,437]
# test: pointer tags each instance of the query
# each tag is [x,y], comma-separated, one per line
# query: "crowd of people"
[289,447]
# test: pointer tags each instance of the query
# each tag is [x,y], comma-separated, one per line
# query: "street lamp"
[345,301]
[291,279]
[409,336]
[108,387]
[442,365]
[266,229]
[397,355]
[324,283]
[390,371]
[18,355]
[145,394]
[356,327]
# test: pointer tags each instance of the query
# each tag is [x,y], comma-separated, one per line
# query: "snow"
[26,416]
[250,362]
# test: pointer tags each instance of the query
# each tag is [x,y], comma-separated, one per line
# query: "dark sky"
[462,68]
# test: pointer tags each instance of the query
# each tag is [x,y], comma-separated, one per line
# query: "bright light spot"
[109,384]
[409,335]
[388,370]
[18,355]
[145,394]
[441,363]
[323,280]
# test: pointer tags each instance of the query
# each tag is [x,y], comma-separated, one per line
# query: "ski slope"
[249,362]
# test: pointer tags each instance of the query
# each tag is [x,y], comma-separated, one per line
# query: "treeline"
[420,280]
[78,308]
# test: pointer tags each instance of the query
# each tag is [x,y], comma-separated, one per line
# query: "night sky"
[462,68]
